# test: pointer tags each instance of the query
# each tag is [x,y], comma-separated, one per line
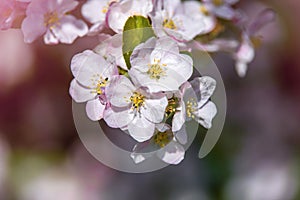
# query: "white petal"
[117,118]
[205,115]
[181,135]
[95,109]
[137,157]
[92,10]
[69,28]
[173,153]
[141,129]
[178,119]
[205,86]
[119,12]
[119,91]
[49,38]
[225,12]
[87,66]
[79,93]
[154,109]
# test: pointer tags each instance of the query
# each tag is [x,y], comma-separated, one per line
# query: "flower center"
[191,107]
[163,138]
[156,70]
[218,2]
[99,84]
[50,19]
[138,100]
[172,105]
[169,23]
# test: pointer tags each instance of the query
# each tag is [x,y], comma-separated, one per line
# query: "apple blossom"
[92,73]
[158,65]
[165,145]
[133,108]
[120,11]
[51,19]
[181,21]
[195,103]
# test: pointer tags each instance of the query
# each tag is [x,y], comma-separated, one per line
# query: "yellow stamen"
[172,105]
[156,70]
[191,107]
[99,84]
[169,23]
[218,2]
[138,100]
[204,10]
[50,19]
[163,138]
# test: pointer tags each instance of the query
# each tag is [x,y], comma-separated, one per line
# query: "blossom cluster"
[140,81]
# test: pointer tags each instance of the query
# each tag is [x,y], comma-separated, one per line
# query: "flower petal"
[178,118]
[117,118]
[181,135]
[33,27]
[141,129]
[205,86]
[119,91]
[79,93]
[205,114]
[69,28]
[173,153]
[154,109]
[93,11]
[95,109]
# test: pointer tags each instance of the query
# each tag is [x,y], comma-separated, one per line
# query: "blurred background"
[256,158]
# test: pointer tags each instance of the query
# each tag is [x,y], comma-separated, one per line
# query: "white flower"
[246,51]
[119,12]
[220,8]
[181,21]
[164,144]
[158,65]
[112,46]
[92,73]
[195,103]
[50,18]
[133,109]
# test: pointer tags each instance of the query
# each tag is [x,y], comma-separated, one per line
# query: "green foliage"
[137,30]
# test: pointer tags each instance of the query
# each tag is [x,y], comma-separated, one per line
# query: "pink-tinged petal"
[181,135]
[170,6]
[178,118]
[65,5]
[95,109]
[69,28]
[33,27]
[205,115]
[264,17]
[112,45]
[205,86]
[173,153]
[95,10]
[154,109]
[96,29]
[231,2]
[79,93]
[140,57]
[119,91]
[117,118]
[88,66]
[141,129]
[225,12]
[49,38]
[119,12]
[164,46]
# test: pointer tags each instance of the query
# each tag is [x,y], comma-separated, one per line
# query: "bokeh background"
[256,158]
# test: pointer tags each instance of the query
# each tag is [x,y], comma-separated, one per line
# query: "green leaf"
[137,30]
